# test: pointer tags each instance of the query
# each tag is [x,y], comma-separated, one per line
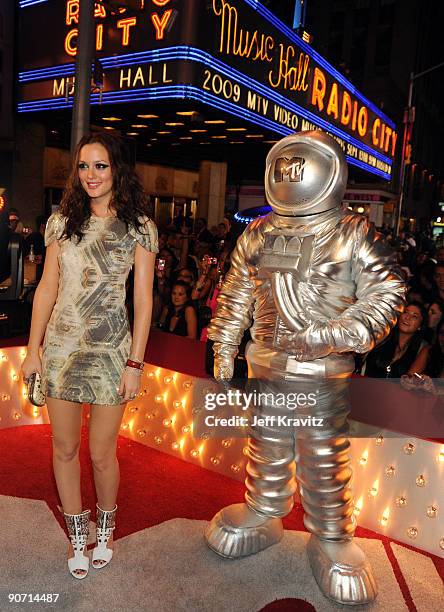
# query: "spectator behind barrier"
[396,354]
[179,316]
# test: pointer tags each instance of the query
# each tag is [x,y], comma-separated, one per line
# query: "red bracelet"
[138,365]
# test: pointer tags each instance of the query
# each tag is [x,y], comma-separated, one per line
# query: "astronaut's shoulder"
[259,224]
[351,221]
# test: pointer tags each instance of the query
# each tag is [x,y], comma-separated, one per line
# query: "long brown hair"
[128,198]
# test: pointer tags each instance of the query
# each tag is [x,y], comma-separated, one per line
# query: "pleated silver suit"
[317,283]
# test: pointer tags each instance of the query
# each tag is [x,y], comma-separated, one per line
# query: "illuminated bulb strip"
[187,92]
[191,53]
[26,3]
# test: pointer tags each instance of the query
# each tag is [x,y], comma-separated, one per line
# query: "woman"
[429,364]
[435,314]
[179,317]
[395,356]
[100,232]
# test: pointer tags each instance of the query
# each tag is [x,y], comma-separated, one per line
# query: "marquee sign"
[233,55]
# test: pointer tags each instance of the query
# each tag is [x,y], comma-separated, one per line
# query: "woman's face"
[95,172]
[178,295]
[410,320]
[186,275]
[435,315]
[166,255]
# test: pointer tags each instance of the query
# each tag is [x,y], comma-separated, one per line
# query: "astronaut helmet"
[306,173]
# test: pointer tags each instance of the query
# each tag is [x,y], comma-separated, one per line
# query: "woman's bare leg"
[104,426]
[66,421]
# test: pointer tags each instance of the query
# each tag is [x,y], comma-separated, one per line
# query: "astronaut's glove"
[318,340]
[224,355]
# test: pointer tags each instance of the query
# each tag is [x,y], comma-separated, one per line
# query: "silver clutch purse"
[36,394]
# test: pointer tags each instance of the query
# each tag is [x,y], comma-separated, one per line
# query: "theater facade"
[190,82]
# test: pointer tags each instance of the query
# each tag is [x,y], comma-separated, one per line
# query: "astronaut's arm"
[380,294]
[234,308]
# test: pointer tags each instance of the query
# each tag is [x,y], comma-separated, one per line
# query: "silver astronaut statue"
[318,284]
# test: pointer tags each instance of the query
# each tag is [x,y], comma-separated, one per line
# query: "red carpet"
[155,487]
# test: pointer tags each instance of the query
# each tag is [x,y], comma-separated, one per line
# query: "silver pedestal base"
[236,531]
[342,571]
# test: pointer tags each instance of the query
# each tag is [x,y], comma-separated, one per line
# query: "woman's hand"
[31,364]
[416,382]
[129,384]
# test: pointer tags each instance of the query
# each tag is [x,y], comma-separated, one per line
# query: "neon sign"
[237,55]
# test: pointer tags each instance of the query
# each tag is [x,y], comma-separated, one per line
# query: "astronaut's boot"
[240,530]
[339,566]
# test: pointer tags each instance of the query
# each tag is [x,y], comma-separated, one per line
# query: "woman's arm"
[420,363]
[201,289]
[143,300]
[43,304]
[44,298]
[191,319]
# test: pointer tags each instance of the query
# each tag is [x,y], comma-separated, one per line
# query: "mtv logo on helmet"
[289,169]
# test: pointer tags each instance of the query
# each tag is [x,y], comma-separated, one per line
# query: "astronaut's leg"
[324,476]
[244,529]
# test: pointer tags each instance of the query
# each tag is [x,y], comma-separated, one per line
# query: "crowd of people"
[190,267]
[193,260]
[414,350]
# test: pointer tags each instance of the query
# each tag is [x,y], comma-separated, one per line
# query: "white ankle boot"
[78,529]
[106,521]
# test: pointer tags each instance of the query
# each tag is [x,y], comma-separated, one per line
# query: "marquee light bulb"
[401,502]
[245,451]
[16,416]
[151,374]
[187,384]
[379,440]
[195,452]
[409,448]
[412,532]
[385,517]
[420,481]
[363,460]
[141,433]
[441,543]
[432,511]
[5,397]
[125,426]
[134,409]
[167,379]
[358,506]
[177,404]
[390,470]
[167,422]
[158,398]
[235,468]
[175,446]
[374,489]
[226,443]
[441,455]
[158,440]
[216,461]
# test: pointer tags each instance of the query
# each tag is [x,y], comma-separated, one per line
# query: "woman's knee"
[103,456]
[65,450]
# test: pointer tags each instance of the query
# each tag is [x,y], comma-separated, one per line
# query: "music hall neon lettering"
[240,41]
[290,76]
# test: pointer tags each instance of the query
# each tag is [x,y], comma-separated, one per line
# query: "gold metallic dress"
[88,339]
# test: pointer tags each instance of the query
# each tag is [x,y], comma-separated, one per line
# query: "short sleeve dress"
[88,339]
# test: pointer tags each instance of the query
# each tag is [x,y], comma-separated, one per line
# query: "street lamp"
[409,119]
